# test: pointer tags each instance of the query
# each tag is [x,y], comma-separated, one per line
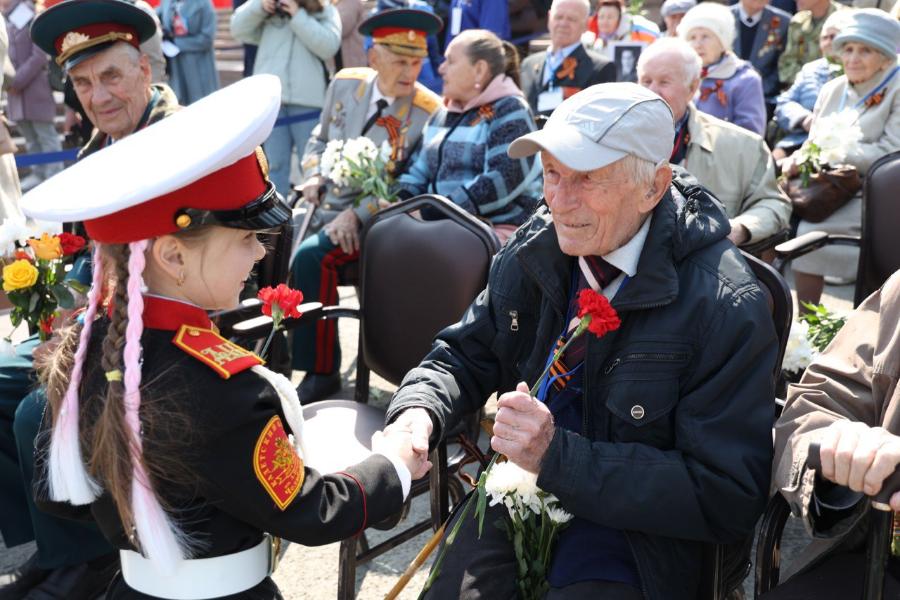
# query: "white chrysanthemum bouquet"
[359,164]
[535,519]
[832,139]
[799,352]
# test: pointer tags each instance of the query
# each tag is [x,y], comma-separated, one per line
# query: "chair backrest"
[781,303]
[417,277]
[726,564]
[879,254]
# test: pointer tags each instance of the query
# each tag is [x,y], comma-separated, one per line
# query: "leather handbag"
[828,190]
[7,146]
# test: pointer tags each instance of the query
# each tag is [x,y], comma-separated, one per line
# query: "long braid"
[68,477]
[160,538]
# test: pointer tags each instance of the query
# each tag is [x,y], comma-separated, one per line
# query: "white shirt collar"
[376,96]
[625,258]
[563,52]
[749,20]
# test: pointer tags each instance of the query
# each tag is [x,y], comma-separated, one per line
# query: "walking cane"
[417,562]
[880,529]
[307,218]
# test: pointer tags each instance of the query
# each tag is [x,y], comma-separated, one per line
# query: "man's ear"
[695,85]
[662,179]
[166,254]
[372,55]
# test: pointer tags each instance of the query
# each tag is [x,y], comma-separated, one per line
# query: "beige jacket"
[880,123]
[855,378]
[737,167]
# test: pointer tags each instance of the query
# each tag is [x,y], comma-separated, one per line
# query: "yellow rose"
[19,275]
[46,248]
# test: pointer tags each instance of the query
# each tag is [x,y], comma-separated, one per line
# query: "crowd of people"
[651,151]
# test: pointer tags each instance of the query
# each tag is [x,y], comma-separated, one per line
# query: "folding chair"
[726,565]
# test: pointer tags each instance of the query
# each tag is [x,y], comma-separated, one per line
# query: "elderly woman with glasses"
[870,85]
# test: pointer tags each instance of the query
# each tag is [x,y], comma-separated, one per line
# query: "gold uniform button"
[637,412]
[183,221]
[195,333]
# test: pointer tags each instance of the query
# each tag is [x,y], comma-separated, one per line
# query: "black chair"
[416,277]
[879,245]
[726,565]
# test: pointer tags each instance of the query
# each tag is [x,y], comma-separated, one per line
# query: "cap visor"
[568,145]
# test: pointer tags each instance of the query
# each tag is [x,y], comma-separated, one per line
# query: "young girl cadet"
[175,440]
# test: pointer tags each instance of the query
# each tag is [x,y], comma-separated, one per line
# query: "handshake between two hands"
[523,430]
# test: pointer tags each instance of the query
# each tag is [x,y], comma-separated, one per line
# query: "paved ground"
[312,572]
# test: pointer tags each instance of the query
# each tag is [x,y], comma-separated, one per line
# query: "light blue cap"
[872,27]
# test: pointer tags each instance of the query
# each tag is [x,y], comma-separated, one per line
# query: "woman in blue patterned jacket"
[463,154]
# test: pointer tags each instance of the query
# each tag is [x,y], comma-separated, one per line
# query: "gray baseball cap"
[602,124]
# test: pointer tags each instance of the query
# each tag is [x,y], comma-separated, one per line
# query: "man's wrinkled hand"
[523,428]
[310,189]
[343,231]
[860,457]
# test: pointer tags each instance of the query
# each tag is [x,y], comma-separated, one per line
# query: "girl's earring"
[181,278]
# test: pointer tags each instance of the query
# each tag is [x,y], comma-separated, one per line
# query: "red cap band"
[229,188]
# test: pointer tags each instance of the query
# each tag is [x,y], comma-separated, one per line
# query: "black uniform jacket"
[239,478]
[589,69]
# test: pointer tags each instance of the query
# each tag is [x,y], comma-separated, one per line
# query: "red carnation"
[46,325]
[284,298]
[602,316]
[70,243]
[22,255]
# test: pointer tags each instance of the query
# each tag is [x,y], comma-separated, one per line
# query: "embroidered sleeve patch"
[224,357]
[277,465]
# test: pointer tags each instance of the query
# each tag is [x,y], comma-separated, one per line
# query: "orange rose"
[46,248]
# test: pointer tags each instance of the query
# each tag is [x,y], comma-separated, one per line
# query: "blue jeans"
[284,139]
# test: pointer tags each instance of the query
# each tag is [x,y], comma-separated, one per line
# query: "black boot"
[318,386]
[17,584]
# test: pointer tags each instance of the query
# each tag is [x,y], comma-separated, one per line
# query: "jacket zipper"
[645,356]
[637,564]
[514,320]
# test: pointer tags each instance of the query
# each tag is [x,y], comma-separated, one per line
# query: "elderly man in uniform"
[385,104]
[97,44]
[744,180]
[803,37]
[657,436]
[567,67]
[761,36]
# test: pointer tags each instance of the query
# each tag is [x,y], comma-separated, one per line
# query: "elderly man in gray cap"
[655,436]
[672,12]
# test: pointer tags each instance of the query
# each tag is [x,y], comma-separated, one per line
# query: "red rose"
[70,243]
[284,297]
[603,317]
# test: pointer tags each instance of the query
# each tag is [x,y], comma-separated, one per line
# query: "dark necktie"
[380,105]
[605,273]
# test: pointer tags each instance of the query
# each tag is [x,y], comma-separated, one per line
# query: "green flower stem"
[277,317]
[585,321]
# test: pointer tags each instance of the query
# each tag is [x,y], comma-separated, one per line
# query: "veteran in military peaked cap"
[74,30]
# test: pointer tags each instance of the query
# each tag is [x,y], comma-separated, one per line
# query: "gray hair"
[838,19]
[691,64]
[637,169]
[584,4]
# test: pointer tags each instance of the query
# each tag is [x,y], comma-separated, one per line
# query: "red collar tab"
[222,356]
[229,188]
[169,315]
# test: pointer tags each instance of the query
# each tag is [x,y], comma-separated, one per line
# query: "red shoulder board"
[224,357]
[277,465]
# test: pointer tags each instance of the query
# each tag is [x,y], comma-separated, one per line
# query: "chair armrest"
[758,247]
[259,326]
[226,319]
[768,544]
[811,241]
